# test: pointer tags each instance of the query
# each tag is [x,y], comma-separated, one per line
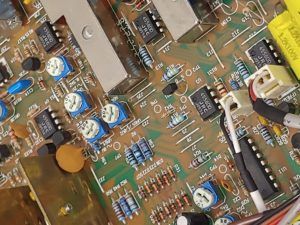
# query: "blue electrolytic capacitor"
[3,111]
[19,86]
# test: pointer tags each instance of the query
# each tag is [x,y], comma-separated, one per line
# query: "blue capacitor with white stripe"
[3,111]
[19,86]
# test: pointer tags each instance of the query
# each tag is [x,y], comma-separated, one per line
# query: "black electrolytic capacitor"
[296,140]
[192,218]
[31,64]
[170,89]
[61,137]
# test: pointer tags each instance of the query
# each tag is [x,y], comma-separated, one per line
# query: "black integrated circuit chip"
[147,26]
[46,123]
[264,53]
[258,172]
[48,36]
[205,103]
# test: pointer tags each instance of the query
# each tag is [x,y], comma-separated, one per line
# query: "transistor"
[170,89]
[47,123]
[31,64]
[61,137]
[48,36]
[4,152]
[147,26]
[205,102]
[264,53]
[46,149]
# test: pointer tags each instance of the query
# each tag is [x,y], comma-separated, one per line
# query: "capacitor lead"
[118,211]
[130,158]
[145,148]
[170,73]
[146,57]
[125,207]
[171,173]
[176,119]
[138,154]
[132,203]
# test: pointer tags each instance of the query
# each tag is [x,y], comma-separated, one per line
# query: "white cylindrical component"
[90,129]
[258,201]
[55,66]
[182,220]
[292,120]
[73,102]
[223,221]
[110,113]
[203,198]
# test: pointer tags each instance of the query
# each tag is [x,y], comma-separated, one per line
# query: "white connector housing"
[273,82]
[242,102]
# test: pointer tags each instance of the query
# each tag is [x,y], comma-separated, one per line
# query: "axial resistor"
[125,207]
[242,69]
[165,177]
[170,73]
[67,116]
[42,85]
[240,132]
[147,188]
[178,201]
[27,51]
[155,216]
[297,157]
[133,205]
[185,198]
[195,163]
[18,55]
[145,56]
[142,193]
[34,47]
[172,205]
[130,158]
[266,135]
[277,130]
[171,173]
[13,138]
[29,142]
[221,88]
[159,180]
[160,213]
[145,148]
[89,79]
[167,209]
[138,154]
[234,85]
[154,185]
[118,211]
[176,119]
[263,120]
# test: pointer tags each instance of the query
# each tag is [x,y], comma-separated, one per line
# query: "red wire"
[276,220]
[251,92]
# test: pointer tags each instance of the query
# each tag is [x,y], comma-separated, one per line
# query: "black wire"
[226,135]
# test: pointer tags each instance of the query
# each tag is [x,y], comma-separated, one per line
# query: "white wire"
[255,195]
[291,214]
[292,120]
[230,125]
[256,81]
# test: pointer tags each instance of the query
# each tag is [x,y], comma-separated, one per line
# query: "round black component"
[170,89]
[296,140]
[287,107]
[46,149]
[31,64]
[4,152]
[61,137]
[192,218]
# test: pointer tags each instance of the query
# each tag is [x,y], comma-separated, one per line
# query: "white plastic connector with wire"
[271,81]
[255,195]
[241,105]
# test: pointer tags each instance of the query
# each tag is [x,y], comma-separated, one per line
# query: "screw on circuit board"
[178,201]
[118,211]
[134,207]
[171,173]
[159,180]
[167,209]
[165,177]
[147,188]
[154,185]
[185,198]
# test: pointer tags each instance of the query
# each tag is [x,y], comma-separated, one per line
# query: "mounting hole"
[87,32]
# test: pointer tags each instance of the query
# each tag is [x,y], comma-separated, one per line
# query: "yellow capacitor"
[277,130]
[294,8]
[263,120]
[286,32]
